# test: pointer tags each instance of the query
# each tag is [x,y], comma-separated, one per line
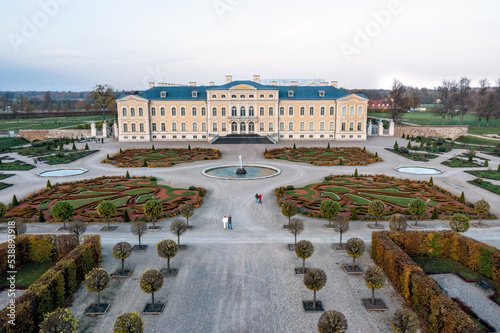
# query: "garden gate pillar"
[105,129]
[115,130]
[380,128]
[93,129]
[391,128]
[370,128]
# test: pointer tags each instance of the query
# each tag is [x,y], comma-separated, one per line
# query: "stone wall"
[32,135]
[452,132]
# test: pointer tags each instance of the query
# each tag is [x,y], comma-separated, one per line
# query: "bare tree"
[78,228]
[400,101]
[342,225]
[177,228]
[448,96]
[484,86]
[464,97]
[295,227]
[139,229]
[490,108]
[20,228]
[496,115]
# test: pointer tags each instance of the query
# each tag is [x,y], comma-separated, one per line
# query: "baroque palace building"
[168,112]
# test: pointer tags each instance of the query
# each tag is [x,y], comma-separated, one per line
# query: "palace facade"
[188,113]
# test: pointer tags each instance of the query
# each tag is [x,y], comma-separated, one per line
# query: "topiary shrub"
[355,247]
[59,321]
[397,222]
[405,321]
[459,223]
[332,322]
[290,187]
[129,323]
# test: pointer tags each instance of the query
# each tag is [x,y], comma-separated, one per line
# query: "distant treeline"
[36,115]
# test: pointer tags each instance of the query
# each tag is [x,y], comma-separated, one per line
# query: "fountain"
[240,170]
[418,170]
[62,172]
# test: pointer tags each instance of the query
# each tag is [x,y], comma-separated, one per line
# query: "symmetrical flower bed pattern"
[357,192]
[161,158]
[127,194]
[324,156]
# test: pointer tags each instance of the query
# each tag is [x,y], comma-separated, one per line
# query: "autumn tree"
[103,96]
[78,228]
[342,225]
[417,208]
[177,228]
[295,227]
[289,209]
[459,223]
[329,209]
[332,322]
[400,102]
[187,210]
[96,281]
[405,321]
[448,92]
[355,247]
[63,211]
[376,208]
[129,323]
[315,279]
[397,222]
[374,279]
[151,282]
[122,251]
[304,249]
[59,321]
[139,229]
[106,210]
[153,209]
[481,207]
[3,210]
[167,249]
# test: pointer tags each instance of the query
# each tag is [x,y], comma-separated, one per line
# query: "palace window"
[124,112]
[214,112]
[162,112]
[214,96]
[204,127]
[271,111]
[262,127]
[153,112]
[344,111]
[251,112]
[351,126]
[332,111]
[234,96]
[331,126]
[174,127]
[321,93]
[183,127]
[223,112]
[290,111]
[271,127]
[262,96]
[302,111]
[271,96]
[223,127]
[351,111]
[214,127]
[195,127]
[163,127]
[251,96]
[343,126]
[360,110]
[132,112]
[183,111]
[203,111]
[125,127]
[163,94]
[242,96]
[359,126]
[234,111]
[242,111]
[174,111]
[141,127]
[302,126]
[282,126]
[133,127]
[311,125]
[282,111]
[290,93]
[311,111]
[222,96]
[141,112]
[194,111]
[322,126]
[194,94]
[322,111]
[153,127]
[290,126]
[262,111]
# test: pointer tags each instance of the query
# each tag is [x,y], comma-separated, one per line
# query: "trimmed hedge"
[52,289]
[391,250]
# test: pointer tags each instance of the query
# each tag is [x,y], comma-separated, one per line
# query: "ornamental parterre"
[347,156]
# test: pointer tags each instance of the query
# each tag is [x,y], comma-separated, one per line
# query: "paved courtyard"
[243,280]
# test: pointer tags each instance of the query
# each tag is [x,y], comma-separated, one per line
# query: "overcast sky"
[74,45]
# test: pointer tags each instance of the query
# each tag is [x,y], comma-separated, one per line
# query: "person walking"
[230,223]
[256,197]
[224,222]
[260,198]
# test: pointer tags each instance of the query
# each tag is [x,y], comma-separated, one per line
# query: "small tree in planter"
[314,279]
[151,282]
[374,279]
[129,323]
[168,249]
[20,228]
[187,210]
[417,208]
[106,210]
[59,321]
[397,222]
[153,209]
[139,229]
[177,228]
[303,249]
[332,322]
[78,228]
[405,321]
[329,209]
[376,208]
[295,227]
[63,211]
[481,207]
[342,225]
[289,209]
[96,281]
[354,247]
[3,210]
[122,251]
[459,223]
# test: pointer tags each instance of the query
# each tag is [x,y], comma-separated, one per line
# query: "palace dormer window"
[194,94]
[242,96]
[262,96]
[290,93]
[251,96]
[163,94]
[222,96]
[214,96]
[321,93]
[234,96]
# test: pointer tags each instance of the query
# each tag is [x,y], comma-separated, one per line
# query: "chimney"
[212,84]
[256,78]
[335,84]
[229,78]
[294,83]
[192,84]
[274,83]
[151,84]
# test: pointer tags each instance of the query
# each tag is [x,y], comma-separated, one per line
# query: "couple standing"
[258,198]
[228,223]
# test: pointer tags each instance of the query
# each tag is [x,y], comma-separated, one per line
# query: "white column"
[93,129]
[391,128]
[370,128]
[105,129]
[380,128]
[115,129]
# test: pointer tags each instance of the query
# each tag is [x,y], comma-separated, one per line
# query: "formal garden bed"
[488,174]
[64,157]
[392,251]
[160,158]
[128,195]
[5,176]
[41,148]
[27,274]
[9,164]
[457,162]
[485,185]
[414,156]
[324,156]
[354,194]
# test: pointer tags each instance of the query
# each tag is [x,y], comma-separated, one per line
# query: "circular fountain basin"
[418,170]
[253,172]
[62,172]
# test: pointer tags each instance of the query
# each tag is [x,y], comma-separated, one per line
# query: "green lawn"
[460,163]
[12,142]
[47,123]
[445,265]
[488,174]
[5,175]
[472,140]
[16,166]
[28,274]
[487,186]
[69,156]
[422,157]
